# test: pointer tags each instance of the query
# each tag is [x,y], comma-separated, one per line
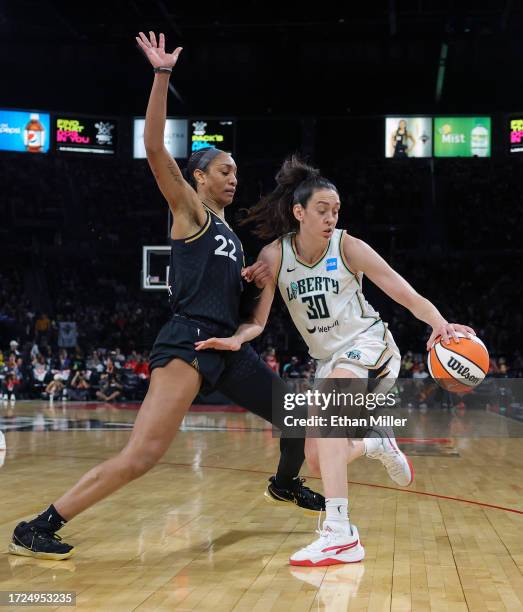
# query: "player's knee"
[138,462]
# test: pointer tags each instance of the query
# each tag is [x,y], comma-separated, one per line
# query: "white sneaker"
[2,442]
[332,547]
[13,398]
[5,397]
[397,464]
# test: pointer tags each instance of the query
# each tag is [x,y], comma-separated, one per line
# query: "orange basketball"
[460,366]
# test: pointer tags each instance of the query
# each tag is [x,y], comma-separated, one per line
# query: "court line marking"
[353,482]
[365,484]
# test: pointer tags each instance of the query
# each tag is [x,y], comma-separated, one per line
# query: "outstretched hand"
[155,53]
[220,344]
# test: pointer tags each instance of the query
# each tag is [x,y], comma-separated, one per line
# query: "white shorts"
[373,354]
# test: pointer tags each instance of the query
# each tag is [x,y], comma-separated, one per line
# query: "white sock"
[337,512]
[371,444]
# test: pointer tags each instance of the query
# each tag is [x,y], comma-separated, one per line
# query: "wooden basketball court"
[197,534]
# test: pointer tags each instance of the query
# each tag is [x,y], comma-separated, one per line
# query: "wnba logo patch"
[331,264]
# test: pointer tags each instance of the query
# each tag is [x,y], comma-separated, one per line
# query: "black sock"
[292,456]
[50,519]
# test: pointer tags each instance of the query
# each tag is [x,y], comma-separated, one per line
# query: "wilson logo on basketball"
[462,370]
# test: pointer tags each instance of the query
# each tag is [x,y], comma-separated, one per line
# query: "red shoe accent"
[339,549]
[411,470]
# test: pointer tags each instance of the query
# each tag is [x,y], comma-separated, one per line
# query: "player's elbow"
[153,143]
[152,148]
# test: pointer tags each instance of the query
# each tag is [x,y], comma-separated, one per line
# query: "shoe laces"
[325,536]
[44,534]
[301,490]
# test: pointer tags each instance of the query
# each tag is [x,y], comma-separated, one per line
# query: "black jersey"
[400,145]
[205,275]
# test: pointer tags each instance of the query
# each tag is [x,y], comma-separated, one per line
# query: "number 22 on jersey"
[221,249]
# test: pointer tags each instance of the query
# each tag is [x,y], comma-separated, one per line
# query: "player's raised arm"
[181,197]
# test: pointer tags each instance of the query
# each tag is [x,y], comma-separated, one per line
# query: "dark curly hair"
[296,181]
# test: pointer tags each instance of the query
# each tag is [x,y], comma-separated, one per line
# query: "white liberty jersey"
[325,299]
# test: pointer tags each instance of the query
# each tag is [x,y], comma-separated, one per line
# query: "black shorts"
[242,375]
[177,339]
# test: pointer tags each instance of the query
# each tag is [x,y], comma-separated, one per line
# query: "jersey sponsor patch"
[331,264]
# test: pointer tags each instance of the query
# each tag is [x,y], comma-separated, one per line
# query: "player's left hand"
[220,344]
[259,272]
[449,331]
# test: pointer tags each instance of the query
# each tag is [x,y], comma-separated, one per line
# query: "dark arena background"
[83,244]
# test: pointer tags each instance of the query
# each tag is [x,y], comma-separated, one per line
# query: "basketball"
[460,366]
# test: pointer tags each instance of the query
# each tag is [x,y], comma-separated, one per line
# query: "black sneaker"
[32,541]
[308,500]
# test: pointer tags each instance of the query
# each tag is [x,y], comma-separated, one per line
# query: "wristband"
[162,69]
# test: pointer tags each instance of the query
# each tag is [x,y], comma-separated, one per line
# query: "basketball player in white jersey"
[319,270]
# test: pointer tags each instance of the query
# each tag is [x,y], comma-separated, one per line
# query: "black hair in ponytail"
[296,181]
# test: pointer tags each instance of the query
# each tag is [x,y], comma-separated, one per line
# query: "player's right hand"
[155,53]
[259,273]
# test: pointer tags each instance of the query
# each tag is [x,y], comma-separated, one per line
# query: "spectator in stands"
[420,373]
[9,387]
[55,389]
[142,368]
[308,372]
[63,361]
[94,363]
[110,388]
[503,371]
[292,369]
[131,361]
[407,363]
[79,386]
[13,348]
[271,360]
[42,327]
[41,374]
[110,367]
[118,358]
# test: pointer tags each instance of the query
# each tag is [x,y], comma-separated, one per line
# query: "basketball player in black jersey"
[206,287]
